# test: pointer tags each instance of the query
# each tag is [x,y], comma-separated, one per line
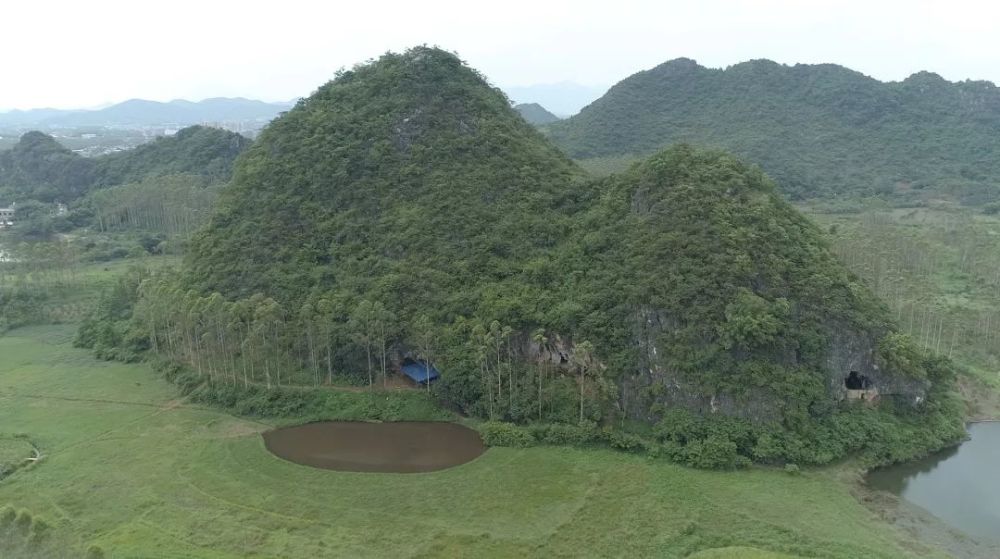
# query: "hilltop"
[408,179]
[819,130]
[406,211]
[199,150]
[39,168]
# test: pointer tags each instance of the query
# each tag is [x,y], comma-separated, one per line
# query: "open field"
[63,292]
[130,468]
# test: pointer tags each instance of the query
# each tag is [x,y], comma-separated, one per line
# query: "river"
[961,485]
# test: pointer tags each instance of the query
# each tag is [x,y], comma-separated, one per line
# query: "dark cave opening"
[857,381]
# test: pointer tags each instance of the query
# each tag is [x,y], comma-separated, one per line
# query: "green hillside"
[406,211]
[199,150]
[535,113]
[409,180]
[818,130]
[39,168]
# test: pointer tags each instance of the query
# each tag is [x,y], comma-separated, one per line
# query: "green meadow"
[129,467]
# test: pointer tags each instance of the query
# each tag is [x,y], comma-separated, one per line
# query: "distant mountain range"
[563,98]
[819,130]
[143,113]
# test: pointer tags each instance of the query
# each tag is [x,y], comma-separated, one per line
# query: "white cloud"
[74,54]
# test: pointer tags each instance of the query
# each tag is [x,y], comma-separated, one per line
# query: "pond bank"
[948,500]
[399,447]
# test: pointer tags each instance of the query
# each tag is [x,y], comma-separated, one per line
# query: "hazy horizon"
[280,51]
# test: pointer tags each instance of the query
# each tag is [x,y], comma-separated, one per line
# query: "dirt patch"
[403,447]
[239,430]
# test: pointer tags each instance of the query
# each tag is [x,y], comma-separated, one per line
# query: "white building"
[6,216]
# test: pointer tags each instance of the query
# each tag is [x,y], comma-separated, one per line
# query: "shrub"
[714,453]
[497,433]
[625,441]
[22,523]
[7,516]
[792,469]
[768,448]
[39,527]
[95,552]
[565,434]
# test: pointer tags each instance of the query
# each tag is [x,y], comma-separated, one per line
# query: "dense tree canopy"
[39,168]
[406,210]
[200,150]
[819,130]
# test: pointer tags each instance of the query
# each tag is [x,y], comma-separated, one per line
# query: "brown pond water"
[401,447]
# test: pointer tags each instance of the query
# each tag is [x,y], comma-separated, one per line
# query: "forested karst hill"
[819,130]
[683,292]
[408,179]
[39,168]
[198,150]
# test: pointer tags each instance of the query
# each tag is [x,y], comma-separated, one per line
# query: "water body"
[402,447]
[961,485]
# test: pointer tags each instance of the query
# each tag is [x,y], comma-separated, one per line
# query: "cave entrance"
[857,381]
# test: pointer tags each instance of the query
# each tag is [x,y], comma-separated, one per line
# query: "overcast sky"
[70,54]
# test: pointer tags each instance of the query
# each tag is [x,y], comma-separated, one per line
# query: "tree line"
[334,340]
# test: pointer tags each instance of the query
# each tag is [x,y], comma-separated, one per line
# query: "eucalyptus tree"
[362,324]
[425,336]
[583,355]
[542,341]
[383,320]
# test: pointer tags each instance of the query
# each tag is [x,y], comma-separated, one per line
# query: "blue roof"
[418,371]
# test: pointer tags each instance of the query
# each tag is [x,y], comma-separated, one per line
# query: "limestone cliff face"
[853,351]
[654,387]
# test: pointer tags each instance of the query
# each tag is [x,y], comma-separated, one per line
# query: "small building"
[419,371]
[6,217]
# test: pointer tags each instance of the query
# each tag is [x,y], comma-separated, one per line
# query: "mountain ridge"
[144,112]
[820,130]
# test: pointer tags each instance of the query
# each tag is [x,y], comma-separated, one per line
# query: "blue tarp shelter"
[420,372]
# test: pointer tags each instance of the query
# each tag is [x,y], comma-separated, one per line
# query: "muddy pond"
[402,447]
[959,485]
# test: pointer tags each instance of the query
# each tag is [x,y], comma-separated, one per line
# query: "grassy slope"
[133,470]
[13,452]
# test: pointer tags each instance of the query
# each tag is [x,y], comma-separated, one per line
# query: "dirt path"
[172,403]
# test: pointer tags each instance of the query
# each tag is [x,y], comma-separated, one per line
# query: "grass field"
[129,467]
[13,452]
